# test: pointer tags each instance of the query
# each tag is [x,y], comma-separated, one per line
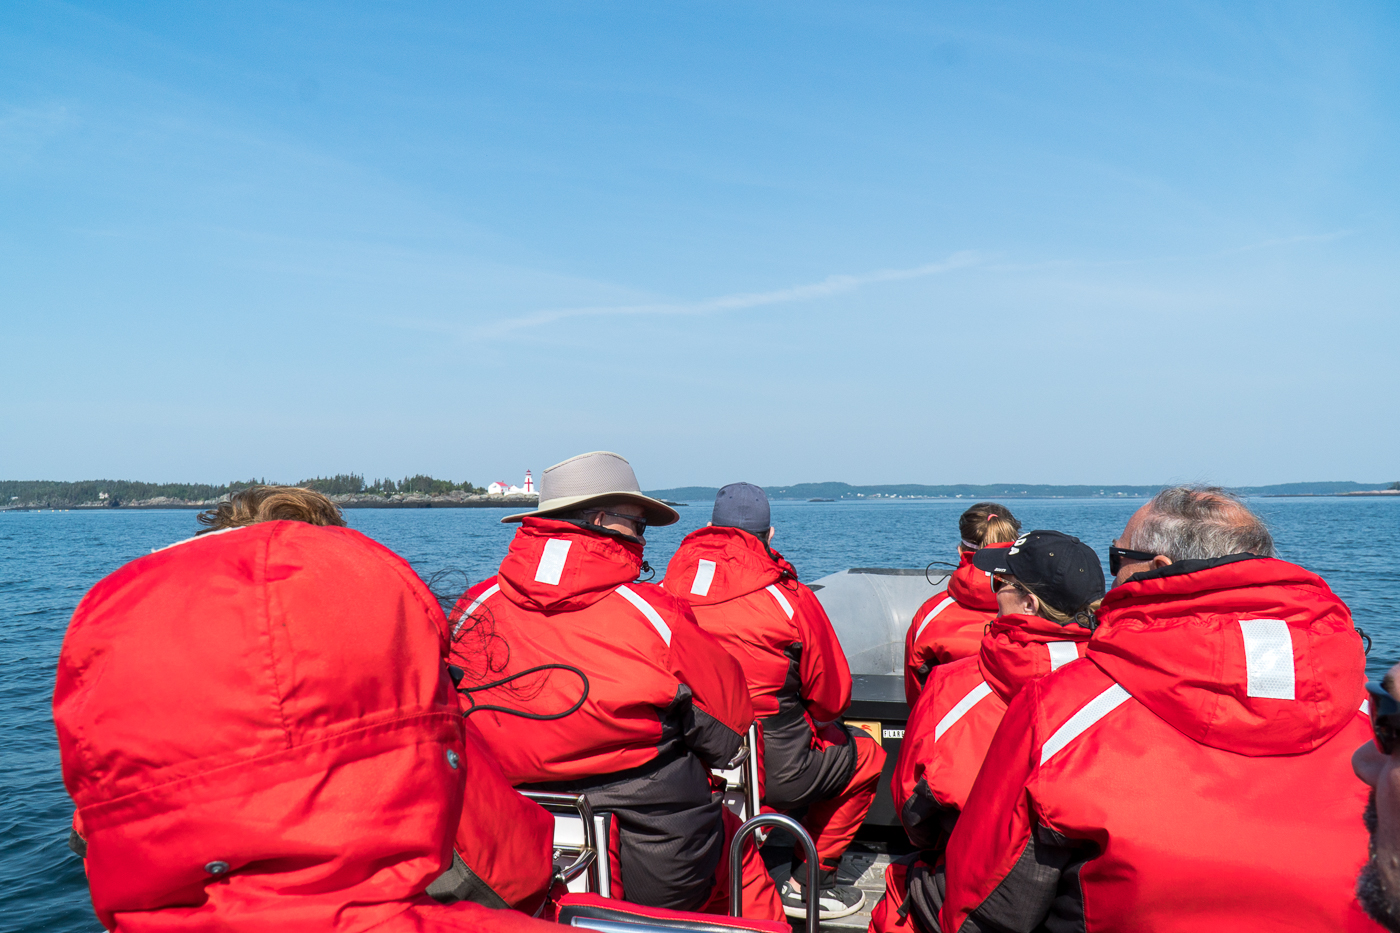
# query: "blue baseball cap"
[743,506]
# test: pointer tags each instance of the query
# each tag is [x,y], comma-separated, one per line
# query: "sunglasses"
[1117,554]
[639,523]
[1385,718]
[1000,583]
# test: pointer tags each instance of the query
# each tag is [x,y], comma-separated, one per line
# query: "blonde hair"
[988,523]
[1087,617]
[271,503]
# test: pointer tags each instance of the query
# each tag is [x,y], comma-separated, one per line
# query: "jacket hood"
[1254,656]
[259,734]
[558,566]
[714,565]
[1020,648]
[972,587]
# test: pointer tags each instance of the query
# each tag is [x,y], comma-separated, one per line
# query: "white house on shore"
[502,488]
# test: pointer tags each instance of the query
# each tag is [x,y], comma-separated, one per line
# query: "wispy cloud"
[831,285]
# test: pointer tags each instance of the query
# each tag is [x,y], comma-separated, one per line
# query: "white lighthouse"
[529,489]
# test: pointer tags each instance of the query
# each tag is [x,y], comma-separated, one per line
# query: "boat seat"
[741,780]
[581,842]
[591,912]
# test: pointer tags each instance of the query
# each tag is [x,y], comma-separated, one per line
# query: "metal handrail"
[752,767]
[588,859]
[736,874]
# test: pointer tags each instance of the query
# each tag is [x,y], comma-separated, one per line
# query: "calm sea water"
[49,559]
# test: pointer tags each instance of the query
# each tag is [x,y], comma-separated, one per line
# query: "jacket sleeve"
[503,850]
[918,659]
[719,710]
[926,821]
[1004,870]
[913,684]
[826,677]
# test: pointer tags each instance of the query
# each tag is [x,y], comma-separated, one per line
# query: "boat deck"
[863,865]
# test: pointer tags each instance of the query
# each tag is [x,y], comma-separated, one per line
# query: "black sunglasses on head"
[1385,717]
[1117,554]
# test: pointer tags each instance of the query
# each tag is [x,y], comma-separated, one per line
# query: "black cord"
[1366,638]
[543,717]
[941,563]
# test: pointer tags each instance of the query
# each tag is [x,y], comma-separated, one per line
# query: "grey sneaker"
[833,900]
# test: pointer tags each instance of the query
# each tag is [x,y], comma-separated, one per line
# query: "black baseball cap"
[1058,568]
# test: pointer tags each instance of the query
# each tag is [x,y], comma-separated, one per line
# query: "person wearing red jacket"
[259,733]
[950,623]
[1044,624]
[748,597]
[663,702]
[1193,770]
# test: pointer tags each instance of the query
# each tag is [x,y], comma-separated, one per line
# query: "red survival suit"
[1192,773]
[665,703]
[949,625]
[947,738]
[504,846]
[259,733]
[748,597]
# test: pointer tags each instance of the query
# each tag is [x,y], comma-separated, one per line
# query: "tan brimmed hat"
[591,478]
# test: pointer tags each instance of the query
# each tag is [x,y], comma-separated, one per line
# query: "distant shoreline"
[400,501]
[524,503]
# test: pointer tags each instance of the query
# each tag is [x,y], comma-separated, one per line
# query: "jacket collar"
[715,564]
[1249,654]
[972,587]
[555,565]
[1019,648]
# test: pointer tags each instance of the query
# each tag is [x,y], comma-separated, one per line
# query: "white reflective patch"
[782,600]
[704,576]
[973,697]
[476,604]
[933,612]
[1268,658]
[551,568]
[1366,707]
[652,615]
[1061,653]
[207,534]
[1096,709]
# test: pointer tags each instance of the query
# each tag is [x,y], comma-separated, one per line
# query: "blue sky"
[1064,243]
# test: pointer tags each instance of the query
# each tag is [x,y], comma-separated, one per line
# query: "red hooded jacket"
[656,681]
[949,625]
[750,600]
[664,701]
[1192,773]
[958,713]
[259,733]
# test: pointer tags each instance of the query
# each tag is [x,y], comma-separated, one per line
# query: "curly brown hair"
[271,503]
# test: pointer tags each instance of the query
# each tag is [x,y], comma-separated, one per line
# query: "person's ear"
[1160,561]
[771,532]
[1368,762]
[709,524]
[1033,607]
